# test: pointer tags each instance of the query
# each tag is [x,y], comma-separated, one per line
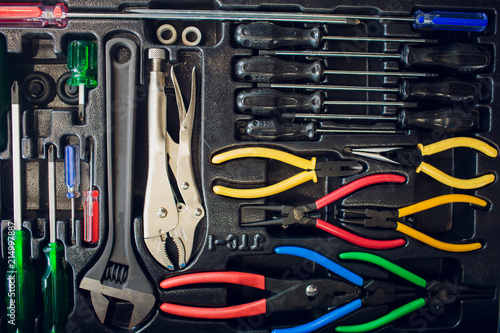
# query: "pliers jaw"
[289,215]
[410,157]
[448,292]
[370,218]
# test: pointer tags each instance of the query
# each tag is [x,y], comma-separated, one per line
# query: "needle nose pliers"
[305,215]
[313,170]
[399,218]
[414,157]
[345,295]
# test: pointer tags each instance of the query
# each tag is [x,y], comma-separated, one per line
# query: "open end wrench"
[117,274]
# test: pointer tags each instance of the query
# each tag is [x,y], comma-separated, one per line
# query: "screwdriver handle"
[456,58]
[448,119]
[33,15]
[446,91]
[271,69]
[272,102]
[267,36]
[82,63]
[455,21]
[55,289]
[91,216]
[270,129]
[72,170]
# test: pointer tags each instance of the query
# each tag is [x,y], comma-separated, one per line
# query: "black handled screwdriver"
[272,69]
[267,36]
[451,120]
[456,58]
[271,129]
[265,102]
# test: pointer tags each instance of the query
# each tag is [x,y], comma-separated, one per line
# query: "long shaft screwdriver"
[266,102]
[267,36]
[72,179]
[448,90]
[91,206]
[271,129]
[456,58]
[58,15]
[450,119]
[272,69]
[55,279]
[20,283]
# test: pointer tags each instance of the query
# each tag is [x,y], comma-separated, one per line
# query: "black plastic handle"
[271,129]
[270,69]
[457,58]
[447,91]
[269,102]
[268,36]
[451,120]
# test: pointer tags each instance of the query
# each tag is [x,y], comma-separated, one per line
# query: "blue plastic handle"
[72,170]
[321,260]
[455,21]
[324,320]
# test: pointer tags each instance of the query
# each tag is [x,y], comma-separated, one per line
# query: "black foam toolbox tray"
[221,243]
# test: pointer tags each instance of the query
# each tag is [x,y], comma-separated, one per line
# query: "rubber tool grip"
[267,36]
[458,142]
[356,185]
[269,102]
[447,91]
[358,240]
[271,69]
[450,119]
[236,311]
[438,201]
[244,279]
[461,58]
[466,184]
[271,129]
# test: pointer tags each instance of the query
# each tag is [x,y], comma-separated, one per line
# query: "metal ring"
[193,30]
[166,28]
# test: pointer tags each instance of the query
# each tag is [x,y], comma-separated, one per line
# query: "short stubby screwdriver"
[82,62]
[267,36]
[55,278]
[446,90]
[272,69]
[72,179]
[91,206]
[265,102]
[450,119]
[455,58]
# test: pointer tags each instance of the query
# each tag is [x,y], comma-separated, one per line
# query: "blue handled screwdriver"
[72,179]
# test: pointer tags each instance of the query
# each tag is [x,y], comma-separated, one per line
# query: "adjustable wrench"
[117,274]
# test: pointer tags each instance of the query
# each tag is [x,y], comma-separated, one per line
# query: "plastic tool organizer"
[225,234]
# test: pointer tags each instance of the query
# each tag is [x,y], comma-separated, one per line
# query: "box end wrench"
[118,274]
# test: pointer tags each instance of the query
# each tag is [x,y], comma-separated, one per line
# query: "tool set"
[181,166]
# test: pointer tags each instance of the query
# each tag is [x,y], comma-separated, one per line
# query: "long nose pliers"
[414,157]
[289,215]
[399,219]
[313,170]
[345,295]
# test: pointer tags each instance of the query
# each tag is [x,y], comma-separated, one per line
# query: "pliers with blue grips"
[345,295]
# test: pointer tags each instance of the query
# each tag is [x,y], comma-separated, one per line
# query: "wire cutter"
[345,295]
[400,218]
[414,157]
[313,170]
[304,215]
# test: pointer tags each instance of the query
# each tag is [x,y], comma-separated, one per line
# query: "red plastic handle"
[358,240]
[356,185]
[236,311]
[20,11]
[244,279]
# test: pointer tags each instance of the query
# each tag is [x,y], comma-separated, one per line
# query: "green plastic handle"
[384,320]
[82,62]
[55,290]
[20,284]
[374,259]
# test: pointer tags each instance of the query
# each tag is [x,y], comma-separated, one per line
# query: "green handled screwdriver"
[20,283]
[55,278]
[82,62]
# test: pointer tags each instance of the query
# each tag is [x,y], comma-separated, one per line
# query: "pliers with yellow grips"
[400,219]
[414,157]
[313,170]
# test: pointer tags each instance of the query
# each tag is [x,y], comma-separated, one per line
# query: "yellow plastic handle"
[436,243]
[274,154]
[450,143]
[446,179]
[441,200]
[253,193]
